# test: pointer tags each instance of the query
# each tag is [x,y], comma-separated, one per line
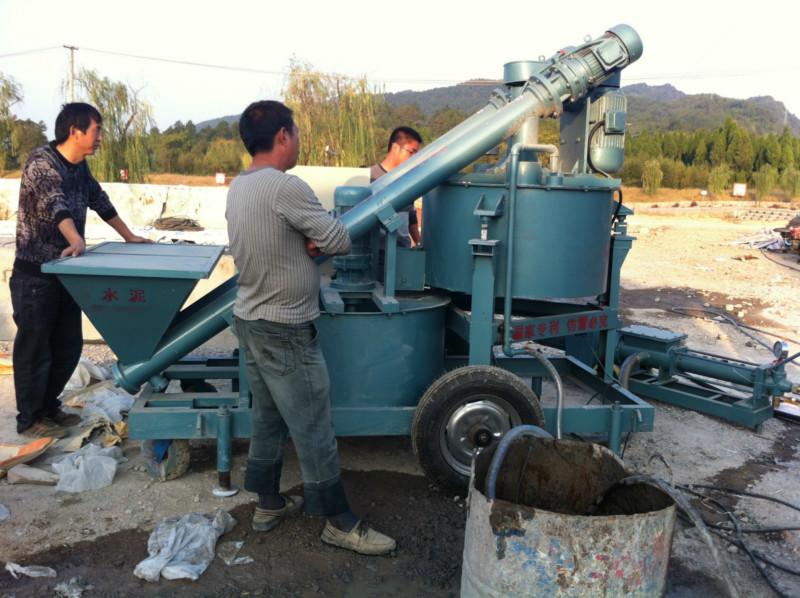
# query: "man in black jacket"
[55,191]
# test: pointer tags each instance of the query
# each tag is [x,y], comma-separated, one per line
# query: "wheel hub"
[474,425]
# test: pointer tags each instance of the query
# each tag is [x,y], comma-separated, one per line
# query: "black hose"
[686,311]
[774,261]
[589,138]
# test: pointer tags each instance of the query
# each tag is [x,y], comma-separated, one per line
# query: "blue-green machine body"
[434,342]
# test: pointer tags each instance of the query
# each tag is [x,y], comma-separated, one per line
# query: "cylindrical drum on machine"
[381,363]
[561,238]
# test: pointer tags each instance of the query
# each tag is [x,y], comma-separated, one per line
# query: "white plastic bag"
[84,373]
[32,571]
[183,547]
[89,468]
[104,401]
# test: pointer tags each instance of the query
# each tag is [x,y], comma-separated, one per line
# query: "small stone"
[733,549]
[729,307]
[740,314]
[657,299]
[196,498]
[706,304]
[24,474]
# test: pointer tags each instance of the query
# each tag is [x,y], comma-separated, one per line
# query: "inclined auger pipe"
[569,77]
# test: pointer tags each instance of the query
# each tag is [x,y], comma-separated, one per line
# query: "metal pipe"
[615,429]
[627,367]
[516,149]
[551,369]
[498,100]
[684,360]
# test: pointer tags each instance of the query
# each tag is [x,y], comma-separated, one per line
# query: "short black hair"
[260,122]
[401,134]
[78,115]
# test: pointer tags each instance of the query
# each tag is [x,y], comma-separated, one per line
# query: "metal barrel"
[560,525]
[570,76]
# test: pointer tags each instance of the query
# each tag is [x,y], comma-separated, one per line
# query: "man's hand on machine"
[312,249]
[75,248]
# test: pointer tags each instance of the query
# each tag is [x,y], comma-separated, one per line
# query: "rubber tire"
[449,392]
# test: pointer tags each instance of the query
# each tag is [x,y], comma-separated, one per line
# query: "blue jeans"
[290,393]
[47,346]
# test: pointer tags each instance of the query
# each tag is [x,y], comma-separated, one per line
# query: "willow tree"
[126,121]
[335,114]
[10,94]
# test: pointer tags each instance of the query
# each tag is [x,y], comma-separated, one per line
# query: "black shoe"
[62,418]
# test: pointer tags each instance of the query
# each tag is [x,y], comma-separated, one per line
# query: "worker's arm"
[73,237]
[119,225]
[302,210]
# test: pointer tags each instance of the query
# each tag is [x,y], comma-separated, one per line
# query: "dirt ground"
[680,260]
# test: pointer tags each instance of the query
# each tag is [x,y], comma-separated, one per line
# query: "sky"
[700,46]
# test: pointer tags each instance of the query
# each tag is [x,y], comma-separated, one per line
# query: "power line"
[34,51]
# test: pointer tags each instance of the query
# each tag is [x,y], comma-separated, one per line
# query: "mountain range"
[650,107]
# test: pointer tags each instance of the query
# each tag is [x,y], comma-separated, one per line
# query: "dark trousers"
[291,396]
[47,346]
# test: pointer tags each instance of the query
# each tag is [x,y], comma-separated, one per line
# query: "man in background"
[404,142]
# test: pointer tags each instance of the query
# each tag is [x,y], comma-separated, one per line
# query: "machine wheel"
[174,464]
[468,408]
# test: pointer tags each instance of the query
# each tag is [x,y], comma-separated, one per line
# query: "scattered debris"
[13,454]
[745,257]
[89,468]
[32,571]
[71,589]
[25,474]
[103,401]
[86,373]
[4,512]
[183,547]
[229,551]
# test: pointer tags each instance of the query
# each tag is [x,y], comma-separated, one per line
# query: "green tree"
[719,179]
[126,120]
[765,180]
[787,150]
[10,94]
[336,116]
[790,182]
[651,176]
[26,136]
[740,151]
[223,155]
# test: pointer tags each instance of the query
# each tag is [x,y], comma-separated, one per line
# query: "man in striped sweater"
[276,227]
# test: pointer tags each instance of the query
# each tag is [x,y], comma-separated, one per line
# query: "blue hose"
[502,449]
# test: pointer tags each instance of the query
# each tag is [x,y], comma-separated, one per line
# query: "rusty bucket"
[559,525]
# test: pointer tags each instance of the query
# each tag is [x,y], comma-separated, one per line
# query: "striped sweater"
[270,216]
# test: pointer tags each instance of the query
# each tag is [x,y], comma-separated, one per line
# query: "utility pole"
[71,72]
